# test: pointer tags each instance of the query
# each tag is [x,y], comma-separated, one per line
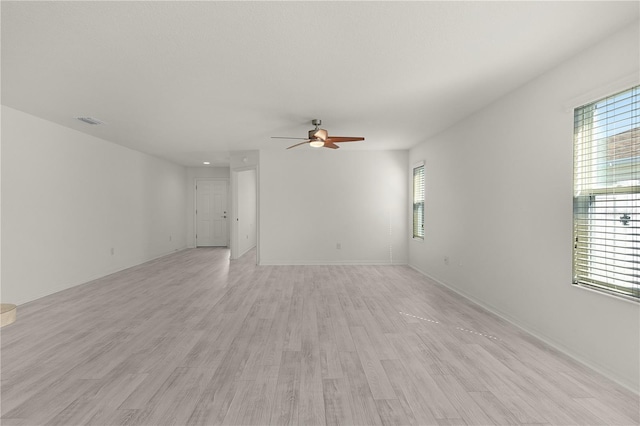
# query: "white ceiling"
[191,81]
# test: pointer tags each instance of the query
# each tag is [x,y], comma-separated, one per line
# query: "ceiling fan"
[319,138]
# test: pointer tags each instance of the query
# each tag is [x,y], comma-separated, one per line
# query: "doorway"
[212,224]
[244,227]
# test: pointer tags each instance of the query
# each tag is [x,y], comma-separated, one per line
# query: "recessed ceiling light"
[90,120]
[206,162]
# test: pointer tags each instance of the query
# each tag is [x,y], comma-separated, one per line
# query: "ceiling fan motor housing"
[318,134]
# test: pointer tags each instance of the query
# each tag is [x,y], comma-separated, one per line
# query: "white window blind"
[606,200]
[418,201]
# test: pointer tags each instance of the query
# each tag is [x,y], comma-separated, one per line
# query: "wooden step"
[7,314]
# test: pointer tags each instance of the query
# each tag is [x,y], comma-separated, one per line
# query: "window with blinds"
[606,194]
[418,201]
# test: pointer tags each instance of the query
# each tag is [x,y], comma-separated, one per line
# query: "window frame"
[416,166]
[586,192]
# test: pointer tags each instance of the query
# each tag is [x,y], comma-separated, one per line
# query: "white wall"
[311,199]
[246,211]
[194,173]
[69,198]
[499,205]
[242,160]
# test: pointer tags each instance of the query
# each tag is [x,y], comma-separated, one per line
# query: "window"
[418,201]
[606,194]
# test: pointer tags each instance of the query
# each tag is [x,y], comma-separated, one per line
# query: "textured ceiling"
[191,81]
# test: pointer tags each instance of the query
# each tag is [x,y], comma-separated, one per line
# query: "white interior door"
[211,213]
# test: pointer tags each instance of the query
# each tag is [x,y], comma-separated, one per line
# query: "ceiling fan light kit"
[319,138]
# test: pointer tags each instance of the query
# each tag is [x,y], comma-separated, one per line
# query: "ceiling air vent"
[90,120]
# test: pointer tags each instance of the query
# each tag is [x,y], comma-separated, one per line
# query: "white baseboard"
[533,332]
[134,263]
[106,272]
[246,251]
[326,262]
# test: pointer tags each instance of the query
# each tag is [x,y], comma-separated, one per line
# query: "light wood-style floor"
[194,339]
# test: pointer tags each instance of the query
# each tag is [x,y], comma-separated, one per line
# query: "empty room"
[320,213]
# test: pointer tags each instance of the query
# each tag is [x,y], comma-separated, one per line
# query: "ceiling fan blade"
[343,139]
[298,144]
[285,137]
[331,145]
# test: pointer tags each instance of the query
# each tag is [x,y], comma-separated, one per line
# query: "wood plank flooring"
[191,339]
